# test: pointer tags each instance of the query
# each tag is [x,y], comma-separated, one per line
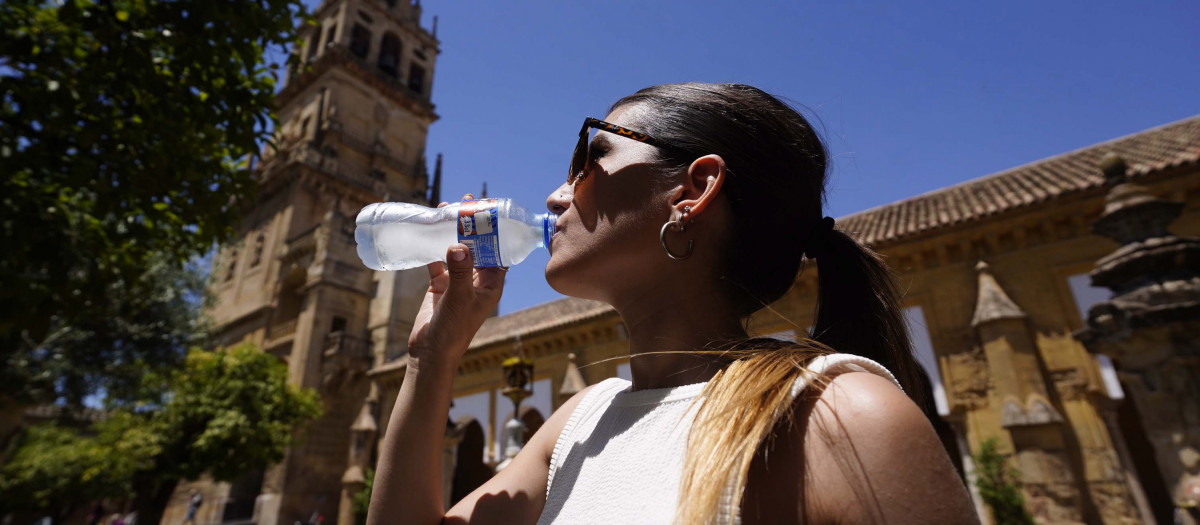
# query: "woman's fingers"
[435,268]
[460,266]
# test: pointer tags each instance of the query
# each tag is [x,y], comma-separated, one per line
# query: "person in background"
[193,506]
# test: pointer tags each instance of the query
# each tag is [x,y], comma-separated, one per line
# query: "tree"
[999,488]
[56,468]
[122,126]
[229,412]
[153,321]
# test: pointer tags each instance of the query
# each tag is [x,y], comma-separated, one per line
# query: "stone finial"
[365,422]
[1114,169]
[353,476]
[1035,411]
[992,303]
[573,380]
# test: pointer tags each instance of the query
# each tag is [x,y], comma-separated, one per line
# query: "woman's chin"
[565,277]
[557,276]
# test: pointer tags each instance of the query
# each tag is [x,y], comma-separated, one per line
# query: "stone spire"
[572,381]
[365,422]
[992,303]
[1012,354]
[435,193]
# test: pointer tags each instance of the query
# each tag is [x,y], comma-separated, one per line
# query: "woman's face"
[606,246]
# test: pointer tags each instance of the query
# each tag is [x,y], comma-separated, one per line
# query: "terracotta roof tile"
[537,319]
[1172,145]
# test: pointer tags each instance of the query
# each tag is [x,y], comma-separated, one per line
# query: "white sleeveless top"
[620,455]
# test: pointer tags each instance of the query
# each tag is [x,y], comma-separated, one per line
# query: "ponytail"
[859,312]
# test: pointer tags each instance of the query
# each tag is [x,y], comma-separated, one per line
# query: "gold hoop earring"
[679,225]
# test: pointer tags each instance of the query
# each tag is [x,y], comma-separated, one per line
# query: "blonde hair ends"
[738,409]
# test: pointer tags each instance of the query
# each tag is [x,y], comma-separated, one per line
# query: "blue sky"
[912,98]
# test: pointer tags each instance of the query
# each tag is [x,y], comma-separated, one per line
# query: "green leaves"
[232,412]
[229,413]
[122,124]
[999,486]
[57,467]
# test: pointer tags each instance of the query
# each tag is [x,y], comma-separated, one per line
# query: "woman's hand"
[459,299]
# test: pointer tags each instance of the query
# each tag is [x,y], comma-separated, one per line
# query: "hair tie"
[818,238]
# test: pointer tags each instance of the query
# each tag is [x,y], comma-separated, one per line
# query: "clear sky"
[912,98]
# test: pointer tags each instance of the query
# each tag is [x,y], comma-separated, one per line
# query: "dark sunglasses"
[579,158]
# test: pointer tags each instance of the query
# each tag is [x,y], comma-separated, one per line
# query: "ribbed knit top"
[620,455]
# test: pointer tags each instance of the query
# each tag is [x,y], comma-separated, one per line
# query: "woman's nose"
[560,199]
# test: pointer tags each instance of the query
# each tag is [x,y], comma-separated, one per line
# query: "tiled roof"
[1155,149]
[539,318]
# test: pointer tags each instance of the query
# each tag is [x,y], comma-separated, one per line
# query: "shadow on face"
[609,220]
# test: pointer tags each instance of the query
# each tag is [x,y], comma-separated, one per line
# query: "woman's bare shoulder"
[866,453]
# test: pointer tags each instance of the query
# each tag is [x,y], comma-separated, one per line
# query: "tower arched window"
[360,41]
[229,271]
[389,55]
[416,78]
[332,32]
[314,45]
[259,243]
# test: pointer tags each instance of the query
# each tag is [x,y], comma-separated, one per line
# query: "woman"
[692,208]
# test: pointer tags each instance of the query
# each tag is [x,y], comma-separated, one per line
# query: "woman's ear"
[704,179]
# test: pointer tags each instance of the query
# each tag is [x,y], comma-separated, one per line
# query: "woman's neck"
[685,323]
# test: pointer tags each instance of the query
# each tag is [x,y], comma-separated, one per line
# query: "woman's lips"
[558,231]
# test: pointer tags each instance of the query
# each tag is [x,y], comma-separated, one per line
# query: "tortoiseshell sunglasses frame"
[579,158]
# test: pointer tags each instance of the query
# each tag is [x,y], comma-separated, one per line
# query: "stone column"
[968,462]
[454,436]
[1149,325]
[1108,410]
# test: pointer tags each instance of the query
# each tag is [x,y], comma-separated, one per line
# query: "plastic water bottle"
[402,235]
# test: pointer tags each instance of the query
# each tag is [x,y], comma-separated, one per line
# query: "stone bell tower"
[353,120]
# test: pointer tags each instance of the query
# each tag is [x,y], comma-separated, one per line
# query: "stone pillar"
[1035,426]
[362,432]
[454,436]
[968,462]
[1149,325]
[1108,410]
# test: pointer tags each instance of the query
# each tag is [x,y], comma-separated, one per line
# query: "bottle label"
[479,229]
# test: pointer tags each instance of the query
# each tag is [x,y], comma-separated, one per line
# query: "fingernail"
[458,254]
